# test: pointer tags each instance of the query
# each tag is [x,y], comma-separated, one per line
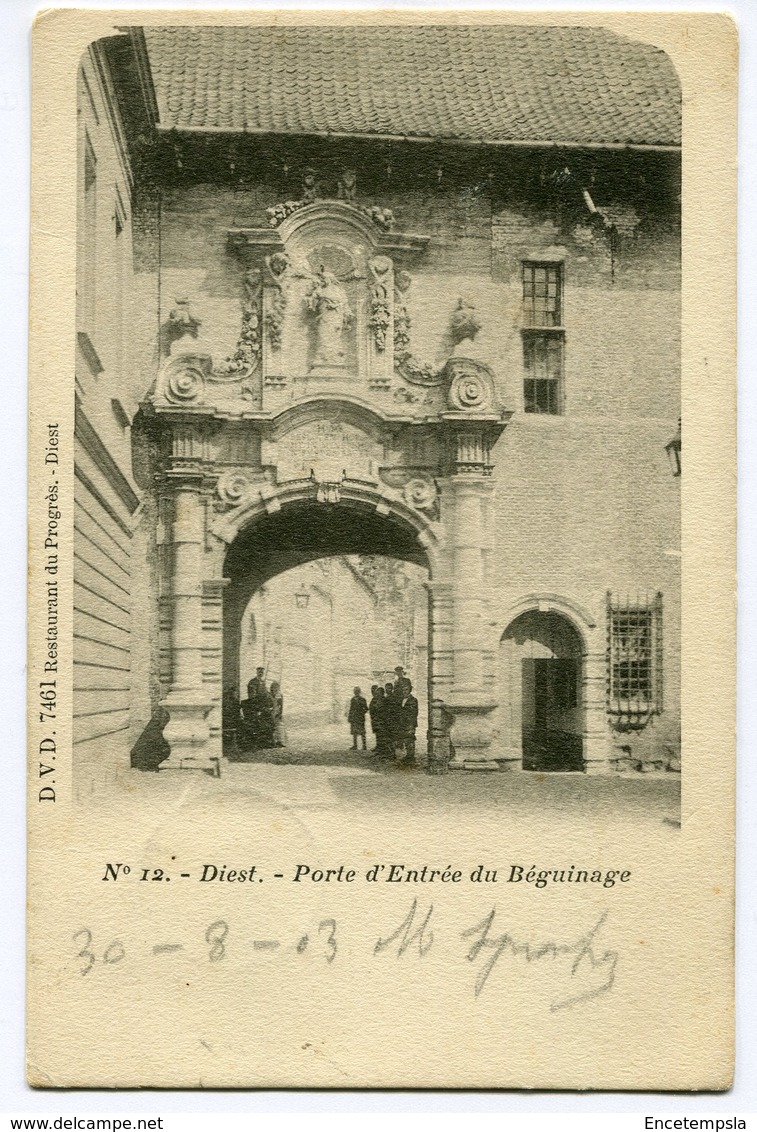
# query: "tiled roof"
[493,84]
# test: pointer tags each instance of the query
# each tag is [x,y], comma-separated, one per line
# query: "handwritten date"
[585,969]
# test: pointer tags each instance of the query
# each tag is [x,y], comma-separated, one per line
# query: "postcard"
[381,668]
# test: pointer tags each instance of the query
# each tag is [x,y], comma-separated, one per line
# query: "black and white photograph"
[378,439]
[380,670]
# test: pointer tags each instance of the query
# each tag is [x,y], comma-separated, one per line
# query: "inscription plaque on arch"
[327,448]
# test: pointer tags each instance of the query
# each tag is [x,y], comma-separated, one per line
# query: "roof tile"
[576,86]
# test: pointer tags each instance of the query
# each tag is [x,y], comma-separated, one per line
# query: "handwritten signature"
[587,968]
[587,956]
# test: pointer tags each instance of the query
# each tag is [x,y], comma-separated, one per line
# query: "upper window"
[543,338]
[542,382]
[542,294]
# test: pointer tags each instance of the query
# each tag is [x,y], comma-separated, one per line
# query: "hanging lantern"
[302,598]
[673,449]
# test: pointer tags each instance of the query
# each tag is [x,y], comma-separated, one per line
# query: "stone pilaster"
[470,700]
[187,702]
[597,746]
[212,658]
[440,663]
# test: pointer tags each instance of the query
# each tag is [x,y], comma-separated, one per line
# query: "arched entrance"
[318,551]
[240,503]
[541,655]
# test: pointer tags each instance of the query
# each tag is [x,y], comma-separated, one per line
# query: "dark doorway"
[550,699]
[542,717]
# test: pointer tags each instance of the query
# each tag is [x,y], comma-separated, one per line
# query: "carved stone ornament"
[409,397]
[329,303]
[380,318]
[382,218]
[464,322]
[347,188]
[278,268]
[232,487]
[309,185]
[182,380]
[328,491]
[471,387]
[405,363]
[420,494]
[279,212]
[182,321]
[246,358]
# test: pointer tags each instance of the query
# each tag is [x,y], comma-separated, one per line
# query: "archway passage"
[301,532]
[323,597]
[542,670]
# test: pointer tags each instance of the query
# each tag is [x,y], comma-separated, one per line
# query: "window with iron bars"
[543,338]
[634,659]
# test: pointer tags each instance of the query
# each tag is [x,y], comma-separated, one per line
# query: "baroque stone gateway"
[440,330]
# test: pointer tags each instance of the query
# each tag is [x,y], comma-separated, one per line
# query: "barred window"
[634,630]
[542,294]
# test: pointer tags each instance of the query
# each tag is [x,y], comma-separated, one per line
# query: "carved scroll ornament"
[232,487]
[471,387]
[182,379]
[420,493]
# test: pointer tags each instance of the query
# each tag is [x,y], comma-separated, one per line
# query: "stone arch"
[577,615]
[355,494]
[542,657]
[285,527]
[329,215]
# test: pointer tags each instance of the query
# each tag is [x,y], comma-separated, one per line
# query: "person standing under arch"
[402,685]
[389,719]
[257,712]
[356,714]
[375,709]
[407,721]
[279,734]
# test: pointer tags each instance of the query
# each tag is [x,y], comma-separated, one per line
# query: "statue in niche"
[309,185]
[328,301]
[347,187]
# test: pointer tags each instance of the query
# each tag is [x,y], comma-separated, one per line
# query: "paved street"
[318,771]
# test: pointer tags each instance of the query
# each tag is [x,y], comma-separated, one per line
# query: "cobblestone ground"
[319,772]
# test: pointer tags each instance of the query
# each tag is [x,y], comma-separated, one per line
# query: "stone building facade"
[428,308]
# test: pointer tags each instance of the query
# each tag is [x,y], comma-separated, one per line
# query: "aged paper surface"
[359,344]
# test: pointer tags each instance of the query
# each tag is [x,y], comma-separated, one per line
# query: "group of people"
[393,712]
[261,723]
